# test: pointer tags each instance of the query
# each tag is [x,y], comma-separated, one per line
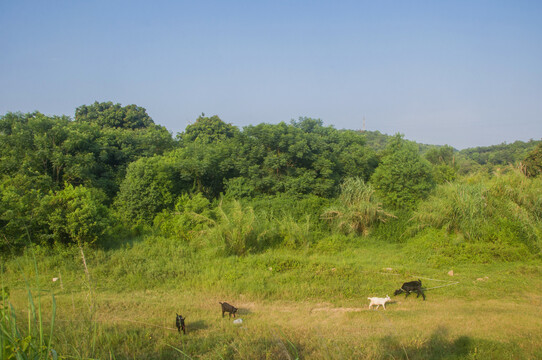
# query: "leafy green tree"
[76,215]
[125,135]
[150,186]
[441,155]
[107,114]
[303,157]
[403,177]
[354,157]
[20,201]
[205,167]
[208,130]
[444,163]
[153,184]
[75,152]
[120,147]
[32,144]
[533,162]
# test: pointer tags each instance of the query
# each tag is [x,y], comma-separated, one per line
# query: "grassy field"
[308,304]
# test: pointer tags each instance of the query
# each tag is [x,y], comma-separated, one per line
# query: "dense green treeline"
[112,171]
[502,154]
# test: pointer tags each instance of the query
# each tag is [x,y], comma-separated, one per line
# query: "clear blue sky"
[463,73]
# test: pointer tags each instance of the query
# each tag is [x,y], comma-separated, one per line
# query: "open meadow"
[307,304]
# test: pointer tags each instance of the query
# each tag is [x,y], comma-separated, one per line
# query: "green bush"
[193,213]
[76,214]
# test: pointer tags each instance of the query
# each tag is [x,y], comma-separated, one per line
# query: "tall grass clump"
[457,208]
[518,199]
[30,341]
[295,234]
[236,229]
[504,209]
[395,229]
[357,209]
[292,221]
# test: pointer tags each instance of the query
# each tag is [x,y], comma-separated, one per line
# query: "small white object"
[238,321]
[55,279]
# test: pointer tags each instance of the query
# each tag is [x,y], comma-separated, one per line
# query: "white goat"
[379,301]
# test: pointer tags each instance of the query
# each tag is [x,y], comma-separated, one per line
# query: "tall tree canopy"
[208,130]
[403,177]
[299,158]
[107,114]
[75,152]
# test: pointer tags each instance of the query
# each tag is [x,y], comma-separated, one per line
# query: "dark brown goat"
[228,308]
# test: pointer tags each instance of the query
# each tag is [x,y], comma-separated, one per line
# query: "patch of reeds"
[357,209]
[503,209]
[236,228]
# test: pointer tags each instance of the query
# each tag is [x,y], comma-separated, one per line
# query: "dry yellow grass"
[133,325]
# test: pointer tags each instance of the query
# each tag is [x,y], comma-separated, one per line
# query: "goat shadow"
[196,326]
[243,311]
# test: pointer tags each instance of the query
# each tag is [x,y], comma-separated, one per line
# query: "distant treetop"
[107,114]
[208,130]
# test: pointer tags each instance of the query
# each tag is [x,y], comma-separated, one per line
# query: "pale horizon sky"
[462,73]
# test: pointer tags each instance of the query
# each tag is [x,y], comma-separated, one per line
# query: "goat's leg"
[420,292]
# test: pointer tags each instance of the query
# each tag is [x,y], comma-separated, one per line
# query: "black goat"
[412,286]
[228,308]
[179,322]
